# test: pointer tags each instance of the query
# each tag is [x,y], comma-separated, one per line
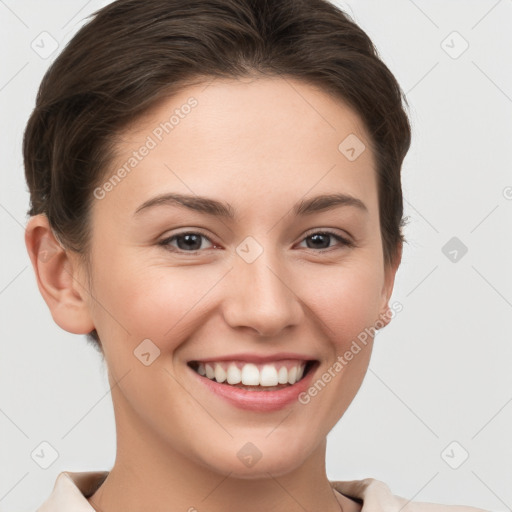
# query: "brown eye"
[319,239]
[185,242]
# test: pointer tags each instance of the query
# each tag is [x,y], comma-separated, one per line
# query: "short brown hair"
[132,53]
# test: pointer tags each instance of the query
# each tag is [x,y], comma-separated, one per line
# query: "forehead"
[254,141]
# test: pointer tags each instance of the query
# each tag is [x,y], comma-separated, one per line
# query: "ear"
[59,277]
[387,289]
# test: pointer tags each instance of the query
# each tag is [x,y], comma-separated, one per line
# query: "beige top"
[72,488]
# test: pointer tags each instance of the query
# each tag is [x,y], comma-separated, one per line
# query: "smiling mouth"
[254,377]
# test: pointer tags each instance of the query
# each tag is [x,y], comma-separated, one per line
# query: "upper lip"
[255,358]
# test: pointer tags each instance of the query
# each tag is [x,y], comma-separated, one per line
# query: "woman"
[216,202]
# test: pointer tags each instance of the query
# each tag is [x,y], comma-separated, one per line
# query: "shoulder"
[376,496]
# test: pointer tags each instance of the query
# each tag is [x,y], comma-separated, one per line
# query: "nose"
[262,296]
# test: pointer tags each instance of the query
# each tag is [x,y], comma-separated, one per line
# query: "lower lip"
[262,401]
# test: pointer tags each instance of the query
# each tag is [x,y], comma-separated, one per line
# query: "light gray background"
[440,372]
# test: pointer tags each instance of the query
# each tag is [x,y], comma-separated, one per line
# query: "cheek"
[344,300]
[154,301]
[166,304]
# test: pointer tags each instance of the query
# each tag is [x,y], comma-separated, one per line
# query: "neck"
[148,474]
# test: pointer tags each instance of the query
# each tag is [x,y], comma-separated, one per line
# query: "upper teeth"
[269,374]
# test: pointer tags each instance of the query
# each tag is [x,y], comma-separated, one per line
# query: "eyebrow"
[216,208]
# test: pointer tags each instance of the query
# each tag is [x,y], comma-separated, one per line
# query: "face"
[266,280]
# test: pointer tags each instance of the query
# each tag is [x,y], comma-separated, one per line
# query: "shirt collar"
[72,489]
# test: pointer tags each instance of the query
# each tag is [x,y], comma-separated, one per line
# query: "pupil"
[316,238]
[190,243]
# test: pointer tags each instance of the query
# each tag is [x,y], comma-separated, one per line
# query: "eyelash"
[166,242]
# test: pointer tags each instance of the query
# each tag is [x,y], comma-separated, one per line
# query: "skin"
[261,145]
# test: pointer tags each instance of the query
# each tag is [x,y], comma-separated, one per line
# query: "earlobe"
[58,277]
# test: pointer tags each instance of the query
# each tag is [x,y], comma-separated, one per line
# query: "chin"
[249,463]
